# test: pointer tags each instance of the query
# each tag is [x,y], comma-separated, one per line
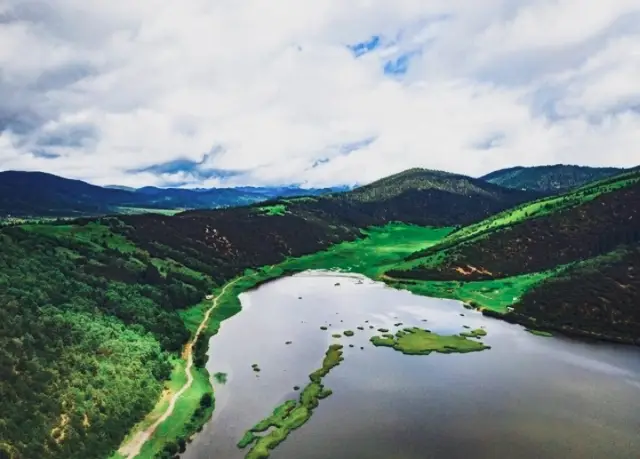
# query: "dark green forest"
[555,179]
[597,299]
[86,334]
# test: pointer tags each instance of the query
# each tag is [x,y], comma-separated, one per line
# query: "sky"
[253,92]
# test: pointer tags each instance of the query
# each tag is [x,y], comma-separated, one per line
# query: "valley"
[108,323]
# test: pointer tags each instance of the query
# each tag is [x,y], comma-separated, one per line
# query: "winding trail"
[132,448]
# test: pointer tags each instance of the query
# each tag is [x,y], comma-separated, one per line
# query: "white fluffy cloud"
[204,92]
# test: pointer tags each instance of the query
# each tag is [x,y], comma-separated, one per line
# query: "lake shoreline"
[270,274]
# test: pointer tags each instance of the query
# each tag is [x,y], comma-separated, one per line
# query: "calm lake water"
[527,397]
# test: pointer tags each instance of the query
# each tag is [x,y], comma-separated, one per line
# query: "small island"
[477,333]
[416,341]
[220,378]
[292,414]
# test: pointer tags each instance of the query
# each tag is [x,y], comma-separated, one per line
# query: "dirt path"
[133,447]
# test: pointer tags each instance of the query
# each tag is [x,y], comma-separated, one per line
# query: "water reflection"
[527,397]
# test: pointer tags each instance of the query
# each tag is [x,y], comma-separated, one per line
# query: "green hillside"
[549,179]
[562,241]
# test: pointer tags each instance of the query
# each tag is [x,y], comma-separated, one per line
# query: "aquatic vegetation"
[383,330]
[348,333]
[221,378]
[477,333]
[416,341]
[336,335]
[332,359]
[248,438]
[292,414]
[539,332]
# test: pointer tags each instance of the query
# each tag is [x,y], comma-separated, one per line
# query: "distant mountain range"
[24,194]
[38,194]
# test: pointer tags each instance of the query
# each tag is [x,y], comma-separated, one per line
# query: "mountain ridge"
[552,178]
[35,194]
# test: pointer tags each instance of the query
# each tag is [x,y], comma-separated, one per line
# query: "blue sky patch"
[45,154]
[491,141]
[365,47]
[400,65]
[347,148]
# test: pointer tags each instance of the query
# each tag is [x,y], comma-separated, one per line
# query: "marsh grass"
[540,333]
[416,341]
[292,414]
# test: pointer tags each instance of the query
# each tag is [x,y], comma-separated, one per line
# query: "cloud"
[203,93]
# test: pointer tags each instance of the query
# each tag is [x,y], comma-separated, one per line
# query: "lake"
[526,397]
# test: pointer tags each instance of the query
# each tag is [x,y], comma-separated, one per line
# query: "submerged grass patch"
[416,341]
[539,332]
[220,378]
[292,414]
[477,333]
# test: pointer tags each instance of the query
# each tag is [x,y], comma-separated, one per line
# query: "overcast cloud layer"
[212,92]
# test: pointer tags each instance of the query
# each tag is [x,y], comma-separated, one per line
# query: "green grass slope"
[553,179]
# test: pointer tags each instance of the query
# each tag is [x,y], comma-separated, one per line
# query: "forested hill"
[574,236]
[418,196]
[91,316]
[549,179]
